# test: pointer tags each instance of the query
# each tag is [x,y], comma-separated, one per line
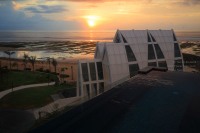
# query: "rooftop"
[153,102]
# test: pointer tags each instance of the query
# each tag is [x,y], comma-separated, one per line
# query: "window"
[162,64]
[101,87]
[174,37]
[100,70]
[133,68]
[152,64]
[117,39]
[92,71]
[88,89]
[124,39]
[178,66]
[176,50]
[158,51]
[129,53]
[85,72]
[149,40]
[153,38]
[151,54]
[94,87]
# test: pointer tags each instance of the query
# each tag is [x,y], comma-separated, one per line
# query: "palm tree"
[9,54]
[49,62]
[54,63]
[32,60]
[25,60]
[15,64]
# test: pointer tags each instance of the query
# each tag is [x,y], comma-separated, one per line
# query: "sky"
[64,15]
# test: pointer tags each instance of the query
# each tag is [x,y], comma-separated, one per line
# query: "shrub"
[47,71]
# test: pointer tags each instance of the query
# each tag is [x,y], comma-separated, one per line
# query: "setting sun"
[91,22]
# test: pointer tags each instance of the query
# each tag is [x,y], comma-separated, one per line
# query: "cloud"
[46,9]
[16,20]
[186,2]
[92,6]
[97,1]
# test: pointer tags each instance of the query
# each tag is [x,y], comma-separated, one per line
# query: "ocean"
[72,45]
[26,36]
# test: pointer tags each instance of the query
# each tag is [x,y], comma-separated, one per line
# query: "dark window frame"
[151,52]
[85,73]
[159,52]
[129,53]
[177,52]
[133,69]
[162,63]
[152,64]
[92,72]
[124,39]
[100,70]
[148,38]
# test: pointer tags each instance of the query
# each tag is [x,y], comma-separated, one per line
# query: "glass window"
[158,51]
[174,37]
[101,87]
[129,53]
[85,72]
[124,39]
[178,66]
[153,38]
[100,70]
[88,89]
[162,64]
[133,68]
[149,40]
[176,50]
[152,64]
[94,88]
[117,39]
[92,71]
[151,54]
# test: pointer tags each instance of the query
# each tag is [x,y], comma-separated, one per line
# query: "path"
[59,103]
[3,93]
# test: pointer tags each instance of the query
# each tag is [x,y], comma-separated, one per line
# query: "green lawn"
[31,97]
[24,78]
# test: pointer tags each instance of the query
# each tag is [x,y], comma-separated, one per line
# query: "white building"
[130,51]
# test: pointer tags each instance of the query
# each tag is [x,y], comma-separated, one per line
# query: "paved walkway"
[56,105]
[3,93]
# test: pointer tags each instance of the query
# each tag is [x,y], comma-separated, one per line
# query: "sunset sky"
[99,14]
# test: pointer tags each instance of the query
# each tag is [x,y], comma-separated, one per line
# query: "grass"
[24,78]
[31,97]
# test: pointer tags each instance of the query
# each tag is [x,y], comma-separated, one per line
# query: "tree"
[49,62]
[63,75]
[25,60]
[54,63]
[15,64]
[32,60]
[63,69]
[9,54]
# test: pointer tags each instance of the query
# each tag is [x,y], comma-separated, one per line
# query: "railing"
[53,110]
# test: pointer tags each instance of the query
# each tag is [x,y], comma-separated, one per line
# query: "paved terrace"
[166,102]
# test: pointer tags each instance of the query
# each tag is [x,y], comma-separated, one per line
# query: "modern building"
[130,51]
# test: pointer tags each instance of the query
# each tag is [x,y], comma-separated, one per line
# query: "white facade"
[130,51]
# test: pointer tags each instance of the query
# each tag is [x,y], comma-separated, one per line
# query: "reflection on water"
[72,51]
[190,47]
[63,51]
